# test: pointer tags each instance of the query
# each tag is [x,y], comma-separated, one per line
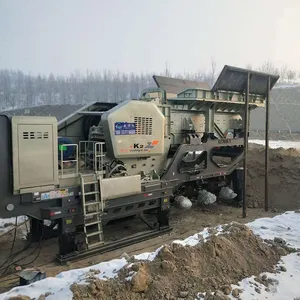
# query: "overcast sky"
[61,36]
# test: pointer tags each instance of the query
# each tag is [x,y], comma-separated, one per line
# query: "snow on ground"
[286,226]
[9,223]
[285,284]
[278,144]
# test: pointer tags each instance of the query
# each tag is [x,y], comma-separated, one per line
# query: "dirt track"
[284,164]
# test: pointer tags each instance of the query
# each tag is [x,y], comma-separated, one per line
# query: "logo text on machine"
[137,147]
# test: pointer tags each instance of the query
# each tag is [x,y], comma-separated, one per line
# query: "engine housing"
[134,129]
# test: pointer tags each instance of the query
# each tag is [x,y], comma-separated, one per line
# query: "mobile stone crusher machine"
[108,161]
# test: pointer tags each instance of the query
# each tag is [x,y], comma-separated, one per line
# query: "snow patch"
[9,223]
[278,144]
[285,284]
[287,227]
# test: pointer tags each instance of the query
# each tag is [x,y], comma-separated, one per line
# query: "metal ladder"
[92,219]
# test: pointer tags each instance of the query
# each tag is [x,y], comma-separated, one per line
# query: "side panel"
[35,153]
[178,124]
[7,199]
[21,204]
[126,186]
[228,121]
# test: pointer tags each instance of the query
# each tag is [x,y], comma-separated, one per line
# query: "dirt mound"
[284,177]
[183,271]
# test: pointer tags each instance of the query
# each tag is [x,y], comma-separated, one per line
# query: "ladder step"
[93,214]
[96,244]
[87,175]
[92,223]
[93,236]
[92,203]
[94,233]
[90,182]
[91,193]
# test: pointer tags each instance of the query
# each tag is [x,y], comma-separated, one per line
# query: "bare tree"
[291,75]
[22,90]
[268,67]
[30,92]
[249,67]
[213,71]
[5,89]
[167,70]
[283,73]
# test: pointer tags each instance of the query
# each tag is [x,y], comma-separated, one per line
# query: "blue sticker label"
[45,196]
[124,128]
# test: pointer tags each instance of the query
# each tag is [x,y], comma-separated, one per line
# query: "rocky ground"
[181,272]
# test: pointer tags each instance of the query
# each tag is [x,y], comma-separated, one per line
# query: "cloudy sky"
[61,36]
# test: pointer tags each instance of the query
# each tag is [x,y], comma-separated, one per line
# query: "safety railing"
[86,150]
[92,154]
[98,157]
[73,163]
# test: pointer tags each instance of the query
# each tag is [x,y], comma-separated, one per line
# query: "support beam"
[267,145]
[91,113]
[192,104]
[246,130]
[210,119]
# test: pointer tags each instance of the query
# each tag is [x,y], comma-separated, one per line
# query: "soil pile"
[284,177]
[180,272]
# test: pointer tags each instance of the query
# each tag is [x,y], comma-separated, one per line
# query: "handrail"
[62,146]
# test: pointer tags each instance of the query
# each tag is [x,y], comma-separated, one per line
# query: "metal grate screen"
[143,125]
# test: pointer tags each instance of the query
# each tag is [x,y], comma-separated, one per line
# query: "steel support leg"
[163,217]
[246,135]
[36,229]
[66,244]
[147,222]
[267,146]
[238,185]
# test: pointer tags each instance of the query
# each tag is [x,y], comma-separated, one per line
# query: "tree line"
[20,90]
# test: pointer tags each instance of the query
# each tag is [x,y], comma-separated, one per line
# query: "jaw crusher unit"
[109,161]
